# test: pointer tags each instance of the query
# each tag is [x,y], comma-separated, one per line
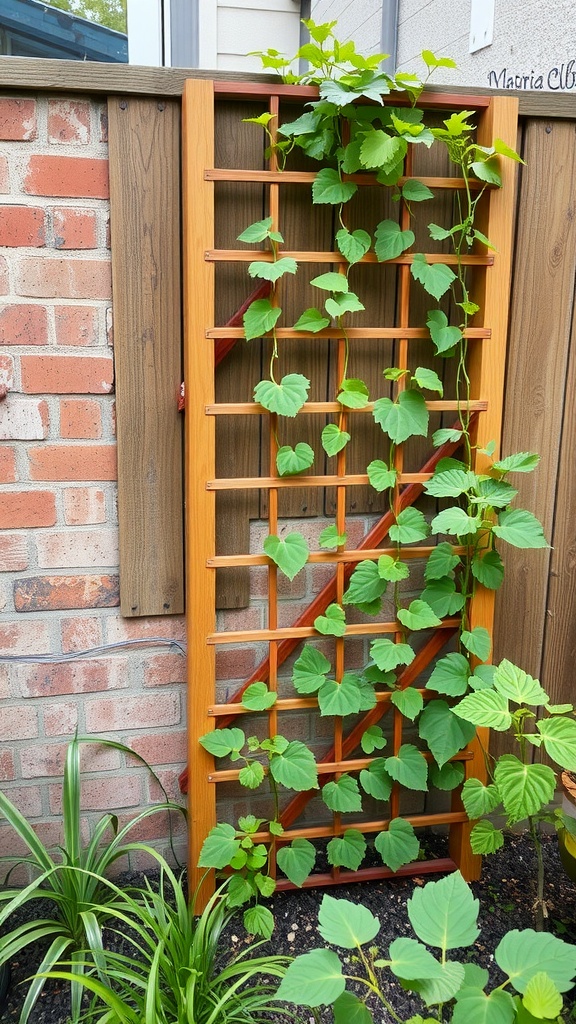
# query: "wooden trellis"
[495,117]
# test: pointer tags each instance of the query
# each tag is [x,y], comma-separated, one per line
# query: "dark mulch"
[506,893]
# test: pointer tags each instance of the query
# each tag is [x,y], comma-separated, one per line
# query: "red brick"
[4,681]
[69,121]
[80,419]
[27,799]
[72,677]
[23,419]
[66,375]
[64,278]
[235,662]
[84,506]
[6,765]
[155,826]
[8,473]
[22,226]
[74,229]
[4,175]
[13,552]
[27,509]
[104,125]
[76,325]
[77,549]
[80,633]
[174,628]
[23,324]
[110,326]
[18,639]
[58,593]
[17,120]
[73,462]
[162,747]
[164,669]
[123,713]
[102,794]
[71,176]
[60,719]
[42,759]
[18,723]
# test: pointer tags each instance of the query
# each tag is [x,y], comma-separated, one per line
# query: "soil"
[506,893]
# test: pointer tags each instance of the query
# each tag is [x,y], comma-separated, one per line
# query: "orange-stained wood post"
[487,363]
[198,221]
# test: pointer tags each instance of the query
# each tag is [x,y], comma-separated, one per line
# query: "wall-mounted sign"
[561,78]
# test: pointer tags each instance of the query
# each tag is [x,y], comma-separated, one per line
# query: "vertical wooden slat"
[145,237]
[198,154]
[542,305]
[486,369]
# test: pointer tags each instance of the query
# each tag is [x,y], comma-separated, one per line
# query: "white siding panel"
[243,30]
[290,6]
[360,20]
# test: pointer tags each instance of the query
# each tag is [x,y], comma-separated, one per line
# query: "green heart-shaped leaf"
[334,439]
[435,278]
[342,796]
[290,554]
[347,850]
[333,623]
[311,321]
[257,697]
[346,924]
[290,461]
[313,979]
[404,418]
[398,845]
[297,860]
[285,398]
[260,318]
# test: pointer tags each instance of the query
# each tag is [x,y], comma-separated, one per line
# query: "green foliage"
[289,553]
[72,882]
[537,968]
[110,13]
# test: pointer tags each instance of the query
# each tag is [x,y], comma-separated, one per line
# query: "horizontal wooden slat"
[327,557]
[253,409]
[247,256]
[329,767]
[267,482]
[351,332]
[308,177]
[301,632]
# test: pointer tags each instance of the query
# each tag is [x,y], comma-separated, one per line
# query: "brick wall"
[58,524]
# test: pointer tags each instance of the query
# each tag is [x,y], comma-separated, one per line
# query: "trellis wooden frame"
[496,117]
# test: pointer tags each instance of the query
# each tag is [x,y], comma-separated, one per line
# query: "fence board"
[541,305]
[145,221]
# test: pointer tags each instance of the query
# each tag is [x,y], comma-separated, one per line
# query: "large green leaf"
[518,686]
[542,998]
[524,954]
[380,477]
[520,462]
[382,150]
[353,244]
[441,562]
[331,282]
[496,493]
[340,698]
[260,318]
[391,241]
[520,529]
[408,701]
[297,860]
[418,615]
[310,670]
[272,271]
[398,845]
[290,461]
[353,393]
[488,569]
[456,521]
[450,483]
[388,655]
[473,1006]
[443,597]
[334,439]
[448,777]
[404,418]
[410,960]
[328,187]
[443,336]
[559,740]
[343,795]
[221,742]
[258,920]
[415,191]
[375,779]
[444,914]
[295,768]
[485,838]
[478,641]
[257,231]
[313,979]
[408,767]
[479,799]
[525,788]
[440,990]
[346,924]
[333,623]
[347,850]
[428,379]
[435,278]
[365,584]
[392,569]
[219,847]
[411,526]
[289,553]
[349,1009]
[450,675]
[285,398]
[331,538]
[485,708]
[444,733]
[311,320]
[251,775]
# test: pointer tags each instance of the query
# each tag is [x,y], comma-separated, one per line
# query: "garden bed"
[506,893]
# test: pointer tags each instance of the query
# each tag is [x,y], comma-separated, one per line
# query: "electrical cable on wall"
[177,646]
